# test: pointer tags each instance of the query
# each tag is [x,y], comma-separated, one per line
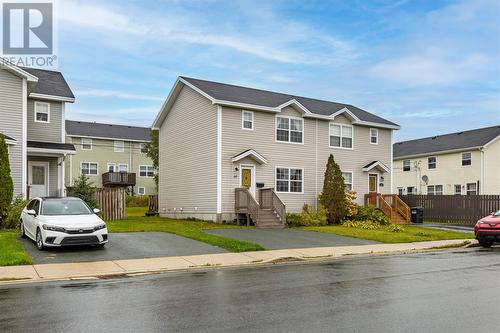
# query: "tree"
[333,197]
[7,186]
[84,190]
[153,152]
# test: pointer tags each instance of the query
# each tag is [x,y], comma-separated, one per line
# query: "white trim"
[140,148]
[70,170]
[289,129]
[105,138]
[119,165]
[246,106]
[111,164]
[316,194]
[89,163]
[25,138]
[35,112]
[243,120]
[481,173]
[297,103]
[219,159]
[139,190]
[341,135]
[346,110]
[10,142]
[289,174]
[352,178]
[59,160]
[392,161]
[63,123]
[253,186]
[376,136]
[491,141]
[146,166]
[18,71]
[91,144]
[377,164]
[52,97]
[118,149]
[435,162]
[376,183]
[462,159]
[370,123]
[46,151]
[63,176]
[252,153]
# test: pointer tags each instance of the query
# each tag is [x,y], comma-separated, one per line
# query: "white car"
[54,222]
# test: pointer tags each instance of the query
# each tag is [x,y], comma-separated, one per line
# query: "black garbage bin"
[417,215]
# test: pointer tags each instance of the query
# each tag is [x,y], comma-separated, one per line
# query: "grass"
[135,221]
[383,235]
[11,250]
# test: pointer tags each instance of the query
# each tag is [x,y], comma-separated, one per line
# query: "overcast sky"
[431,66]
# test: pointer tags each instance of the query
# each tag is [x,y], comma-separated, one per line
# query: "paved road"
[450,291]
[133,245]
[277,239]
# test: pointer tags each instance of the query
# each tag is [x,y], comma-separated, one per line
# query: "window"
[406,165]
[119,146]
[86,144]
[144,148]
[458,189]
[289,180]
[341,136]
[466,159]
[42,112]
[141,191]
[410,190]
[401,191]
[347,180]
[247,120]
[289,129]
[435,189]
[374,136]
[122,167]
[112,167]
[146,171]
[471,188]
[431,163]
[89,168]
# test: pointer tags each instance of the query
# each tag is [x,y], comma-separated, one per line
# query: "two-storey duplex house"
[111,155]
[32,109]
[216,139]
[465,162]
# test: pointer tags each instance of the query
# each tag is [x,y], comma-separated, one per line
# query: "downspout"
[130,162]
[393,190]
[316,171]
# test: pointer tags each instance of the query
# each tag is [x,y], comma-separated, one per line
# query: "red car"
[487,230]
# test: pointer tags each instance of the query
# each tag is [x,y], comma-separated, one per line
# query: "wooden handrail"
[246,203]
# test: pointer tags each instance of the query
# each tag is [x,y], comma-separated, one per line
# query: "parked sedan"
[55,222]
[487,230]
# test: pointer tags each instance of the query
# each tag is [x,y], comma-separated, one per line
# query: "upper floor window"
[86,144]
[247,120]
[431,163]
[119,146]
[289,129]
[144,147]
[458,189]
[112,167]
[406,165]
[347,180]
[289,180]
[146,171]
[471,189]
[341,136]
[435,189]
[410,190]
[466,158]
[42,112]
[122,167]
[89,168]
[373,136]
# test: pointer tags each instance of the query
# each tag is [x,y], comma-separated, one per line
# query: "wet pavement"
[445,291]
[127,245]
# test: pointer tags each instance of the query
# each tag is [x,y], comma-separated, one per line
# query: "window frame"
[434,187]
[145,147]
[139,191]
[116,149]
[82,144]
[341,135]
[429,164]
[111,164]
[467,189]
[462,159]
[371,136]
[455,189]
[146,172]
[351,183]
[35,112]
[89,163]
[289,130]
[288,180]
[401,190]
[243,112]
[119,165]
[409,166]
[413,190]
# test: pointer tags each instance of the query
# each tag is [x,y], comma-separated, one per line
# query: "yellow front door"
[372,184]
[246,178]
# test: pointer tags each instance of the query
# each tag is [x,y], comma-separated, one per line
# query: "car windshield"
[65,207]
[497,213]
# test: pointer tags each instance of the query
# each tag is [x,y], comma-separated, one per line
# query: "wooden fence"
[461,209]
[111,202]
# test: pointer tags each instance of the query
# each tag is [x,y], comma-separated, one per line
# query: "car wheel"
[485,243]
[22,233]
[99,246]
[39,242]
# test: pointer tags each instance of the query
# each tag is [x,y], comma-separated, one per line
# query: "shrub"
[333,194]
[6,180]
[84,190]
[137,201]
[308,217]
[361,224]
[12,220]
[352,206]
[395,228]
[371,213]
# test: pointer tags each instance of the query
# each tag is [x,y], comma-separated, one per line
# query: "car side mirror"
[492,213]
[31,212]
[96,210]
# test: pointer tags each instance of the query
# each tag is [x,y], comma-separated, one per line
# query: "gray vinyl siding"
[46,132]
[11,124]
[53,173]
[188,155]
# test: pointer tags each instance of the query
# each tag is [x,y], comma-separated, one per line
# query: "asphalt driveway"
[130,245]
[277,239]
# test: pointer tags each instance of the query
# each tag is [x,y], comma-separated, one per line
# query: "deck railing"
[245,203]
[118,179]
[268,199]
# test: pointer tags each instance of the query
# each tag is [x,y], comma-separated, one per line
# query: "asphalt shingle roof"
[50,145]
[82,128]
[233,93]
[50,83]
[453,141]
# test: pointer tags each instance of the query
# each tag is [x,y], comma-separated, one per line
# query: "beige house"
[466,162]
[111,155]
[218,141]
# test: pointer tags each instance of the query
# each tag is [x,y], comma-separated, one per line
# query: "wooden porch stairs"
[391,205]
[269,212]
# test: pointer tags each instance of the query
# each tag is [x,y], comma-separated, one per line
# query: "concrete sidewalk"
[110,268]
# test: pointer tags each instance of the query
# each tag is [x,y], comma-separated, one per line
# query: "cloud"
[118,94]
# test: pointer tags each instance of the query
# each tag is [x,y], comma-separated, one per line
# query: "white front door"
[247,177]
[38,179]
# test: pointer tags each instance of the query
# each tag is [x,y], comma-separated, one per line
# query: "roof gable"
[50,83]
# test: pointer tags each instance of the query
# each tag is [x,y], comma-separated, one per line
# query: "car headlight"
[99,227]
[53,228]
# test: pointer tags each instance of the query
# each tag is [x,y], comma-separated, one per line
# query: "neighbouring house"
[227,150]
[111,155]
[466,162]
[32,109]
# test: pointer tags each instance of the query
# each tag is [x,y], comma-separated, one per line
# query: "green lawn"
[135,221]
[409,235]
[11,251]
